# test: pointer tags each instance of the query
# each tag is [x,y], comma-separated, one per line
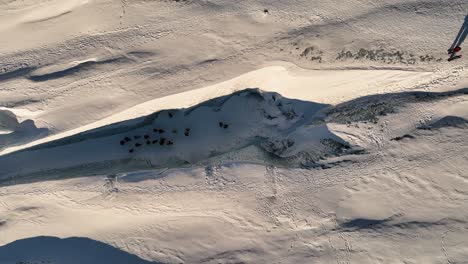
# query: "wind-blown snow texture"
[129,131]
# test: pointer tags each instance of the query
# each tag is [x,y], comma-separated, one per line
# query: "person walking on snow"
[459,39]
[453,55]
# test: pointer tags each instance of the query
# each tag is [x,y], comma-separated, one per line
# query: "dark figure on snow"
[127,139]
[455,50]
[453,54]
[162,141]
[122,142]
[155,141]
[221,124]
[137,145]
[454,57]
[146,136]
[459,39]
[130,150]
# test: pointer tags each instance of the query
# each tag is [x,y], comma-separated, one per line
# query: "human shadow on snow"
[461,36]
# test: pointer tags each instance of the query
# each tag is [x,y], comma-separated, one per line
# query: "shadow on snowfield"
[73,250]
[369,108]
[245,126]
[280,132]
[461,36]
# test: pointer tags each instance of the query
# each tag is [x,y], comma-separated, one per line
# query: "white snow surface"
[300,132]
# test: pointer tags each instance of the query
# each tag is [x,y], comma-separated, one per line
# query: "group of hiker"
[150,140]
[155,138]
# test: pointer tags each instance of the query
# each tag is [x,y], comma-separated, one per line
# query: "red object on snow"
[457,49]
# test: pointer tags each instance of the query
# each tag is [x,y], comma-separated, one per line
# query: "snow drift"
[247,126]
